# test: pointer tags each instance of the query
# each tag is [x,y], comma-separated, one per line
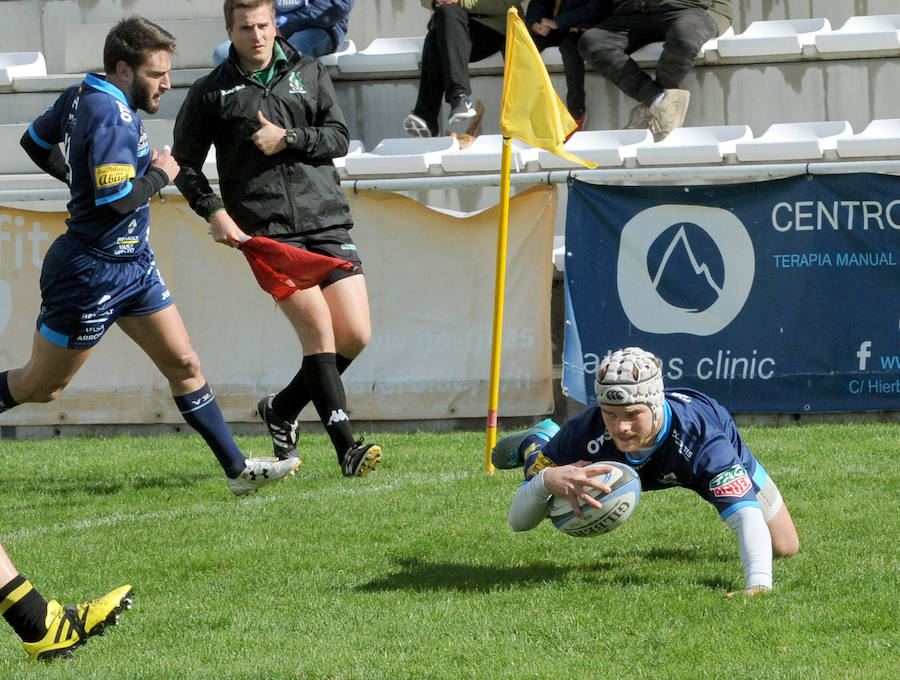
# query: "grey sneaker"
[506,454]
[261,471]
[283,432]
[416,126]
[461,108]
[671,112]
[640,118]
[361,459]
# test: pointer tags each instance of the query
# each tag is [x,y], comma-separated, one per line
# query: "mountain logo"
[684,269]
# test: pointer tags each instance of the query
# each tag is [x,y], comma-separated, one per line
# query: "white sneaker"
[671,112]
[261,471]
[416,126]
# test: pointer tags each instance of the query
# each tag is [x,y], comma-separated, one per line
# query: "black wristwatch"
[290,137]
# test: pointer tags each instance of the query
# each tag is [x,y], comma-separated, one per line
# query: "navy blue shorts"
[83,293]
[335,242]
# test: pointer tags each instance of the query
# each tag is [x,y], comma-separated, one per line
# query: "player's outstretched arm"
[755,545]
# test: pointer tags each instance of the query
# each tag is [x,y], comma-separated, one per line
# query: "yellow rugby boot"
[68,627]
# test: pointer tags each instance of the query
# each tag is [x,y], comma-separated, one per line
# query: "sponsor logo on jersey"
[295,84]
[110,175]
[732,482]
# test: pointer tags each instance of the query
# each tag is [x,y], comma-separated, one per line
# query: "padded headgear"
[631,376]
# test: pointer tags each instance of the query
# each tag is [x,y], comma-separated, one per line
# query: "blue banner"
[773,297]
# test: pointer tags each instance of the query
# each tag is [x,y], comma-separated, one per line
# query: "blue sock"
[6,400]
[201,411]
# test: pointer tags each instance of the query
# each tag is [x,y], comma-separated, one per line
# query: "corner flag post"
[532,112]
[499,294]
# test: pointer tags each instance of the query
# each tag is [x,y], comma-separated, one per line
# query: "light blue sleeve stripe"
[737,506]
[37,140]
[124,191]
[53,336]
[760,475]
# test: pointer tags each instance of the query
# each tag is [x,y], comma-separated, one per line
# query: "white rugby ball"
[618,504]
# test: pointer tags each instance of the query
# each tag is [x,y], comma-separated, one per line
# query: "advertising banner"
[774,297]
[430,279]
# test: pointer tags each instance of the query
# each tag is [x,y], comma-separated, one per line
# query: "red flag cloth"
[281,269]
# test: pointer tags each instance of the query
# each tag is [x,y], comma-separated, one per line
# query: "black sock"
[201,411]
[292,399]
[327,393]
[24,609]
[6,400]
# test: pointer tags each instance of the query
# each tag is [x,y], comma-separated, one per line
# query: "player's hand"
[225,230]
[749,592]
[572,481]
[539,28]
[269,138]
[166,162]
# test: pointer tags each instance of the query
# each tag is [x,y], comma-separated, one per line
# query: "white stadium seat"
[21,64]
[347,47]
[773,38]
[862,34]
[880,138]
[13,159]
[604,147]
[687,145]
[384,55]
[794,141]
[356,148]
[484,155]
[403,156]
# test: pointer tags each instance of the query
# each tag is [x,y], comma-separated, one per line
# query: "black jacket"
[572,14]
[294,191]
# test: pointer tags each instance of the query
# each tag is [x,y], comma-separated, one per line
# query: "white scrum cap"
[631,376]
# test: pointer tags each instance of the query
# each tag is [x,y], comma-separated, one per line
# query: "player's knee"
[46,393]
[353,345]
[786,546]
[185,367]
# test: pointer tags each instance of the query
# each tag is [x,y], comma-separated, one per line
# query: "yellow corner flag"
[530,109]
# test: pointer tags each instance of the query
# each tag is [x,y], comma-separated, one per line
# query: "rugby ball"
[618,504]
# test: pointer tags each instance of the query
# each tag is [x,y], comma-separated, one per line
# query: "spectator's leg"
[606,48]
[313,42]
[455,46]
[574,68]
[686,31]
[431,84]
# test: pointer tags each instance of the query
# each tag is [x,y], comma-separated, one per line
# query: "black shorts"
[335,242]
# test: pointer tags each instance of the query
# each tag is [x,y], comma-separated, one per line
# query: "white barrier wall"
[430,278]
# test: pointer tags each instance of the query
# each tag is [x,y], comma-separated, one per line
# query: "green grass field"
[414,572]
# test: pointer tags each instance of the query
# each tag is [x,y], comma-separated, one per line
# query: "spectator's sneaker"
[670,112]
[261,471]
[640,118]
[283,432]
[416,126]
[506,454]
[580,121]
[361,459]
[69,627]
[461,108]
[579,124]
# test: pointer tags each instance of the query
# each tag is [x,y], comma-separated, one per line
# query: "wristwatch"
[290,137]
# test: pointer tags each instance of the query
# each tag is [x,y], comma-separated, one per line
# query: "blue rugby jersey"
[699,447]
[106,148]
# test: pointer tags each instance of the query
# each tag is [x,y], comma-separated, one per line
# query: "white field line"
[404,480]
